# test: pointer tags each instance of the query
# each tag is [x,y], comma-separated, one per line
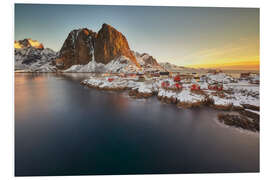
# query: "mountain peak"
[28,42]
[109,29]
[107,26]
[111,44]
[77,48]
[84,45]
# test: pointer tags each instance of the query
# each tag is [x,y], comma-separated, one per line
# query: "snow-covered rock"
[218,78]
[147,62]
[184,96]
[234,94]
[33,59]
[119,65]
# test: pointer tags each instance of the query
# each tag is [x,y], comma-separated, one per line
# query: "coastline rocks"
[136,94]
[237,108]
[107,88]
[183,99]
[168,100]
[239,121]
[250,114]
[223,107]
[189,105]
[252,107]
[174,99]
[113,88]
[205,102]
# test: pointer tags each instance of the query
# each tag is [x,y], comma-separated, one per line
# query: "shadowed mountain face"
[84,45]
[78,48]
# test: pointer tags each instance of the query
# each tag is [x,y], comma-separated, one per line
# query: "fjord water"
[64,128]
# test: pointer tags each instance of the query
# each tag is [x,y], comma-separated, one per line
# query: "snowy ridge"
[147,62]
[175,68]
[31,59]
[118,65]
[121,64]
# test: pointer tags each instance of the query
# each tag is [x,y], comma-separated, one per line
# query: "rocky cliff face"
[111,44]
[84,45]
[78,48]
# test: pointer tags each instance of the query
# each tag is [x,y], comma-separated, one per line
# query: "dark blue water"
[63,128]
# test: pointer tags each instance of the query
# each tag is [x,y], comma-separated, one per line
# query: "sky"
[225,38]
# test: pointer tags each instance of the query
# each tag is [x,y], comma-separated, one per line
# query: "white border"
[7,83]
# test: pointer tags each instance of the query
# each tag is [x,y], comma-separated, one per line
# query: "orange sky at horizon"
[244,65]
[242,54]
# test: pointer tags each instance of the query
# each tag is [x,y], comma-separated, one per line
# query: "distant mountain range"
[87,51]
[31,56]
[84,51]
[175,68]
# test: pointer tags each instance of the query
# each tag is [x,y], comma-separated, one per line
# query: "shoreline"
[185,98]
[198,98]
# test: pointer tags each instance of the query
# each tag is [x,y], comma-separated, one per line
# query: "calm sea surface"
[63,128]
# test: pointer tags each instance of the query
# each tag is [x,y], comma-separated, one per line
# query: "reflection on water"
[25,94]
[63,128]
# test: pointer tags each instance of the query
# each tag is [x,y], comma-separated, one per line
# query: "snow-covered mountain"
[148,63]
[86,51]
[105,51]
[28,43]
[30,56]
[78,53]
[35,58]
[175,68]
[83,46]
[172,67]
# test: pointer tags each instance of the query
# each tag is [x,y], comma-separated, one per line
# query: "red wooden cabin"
[110,79]
[177,86]
[177,78]
[165,84]
[195,87]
